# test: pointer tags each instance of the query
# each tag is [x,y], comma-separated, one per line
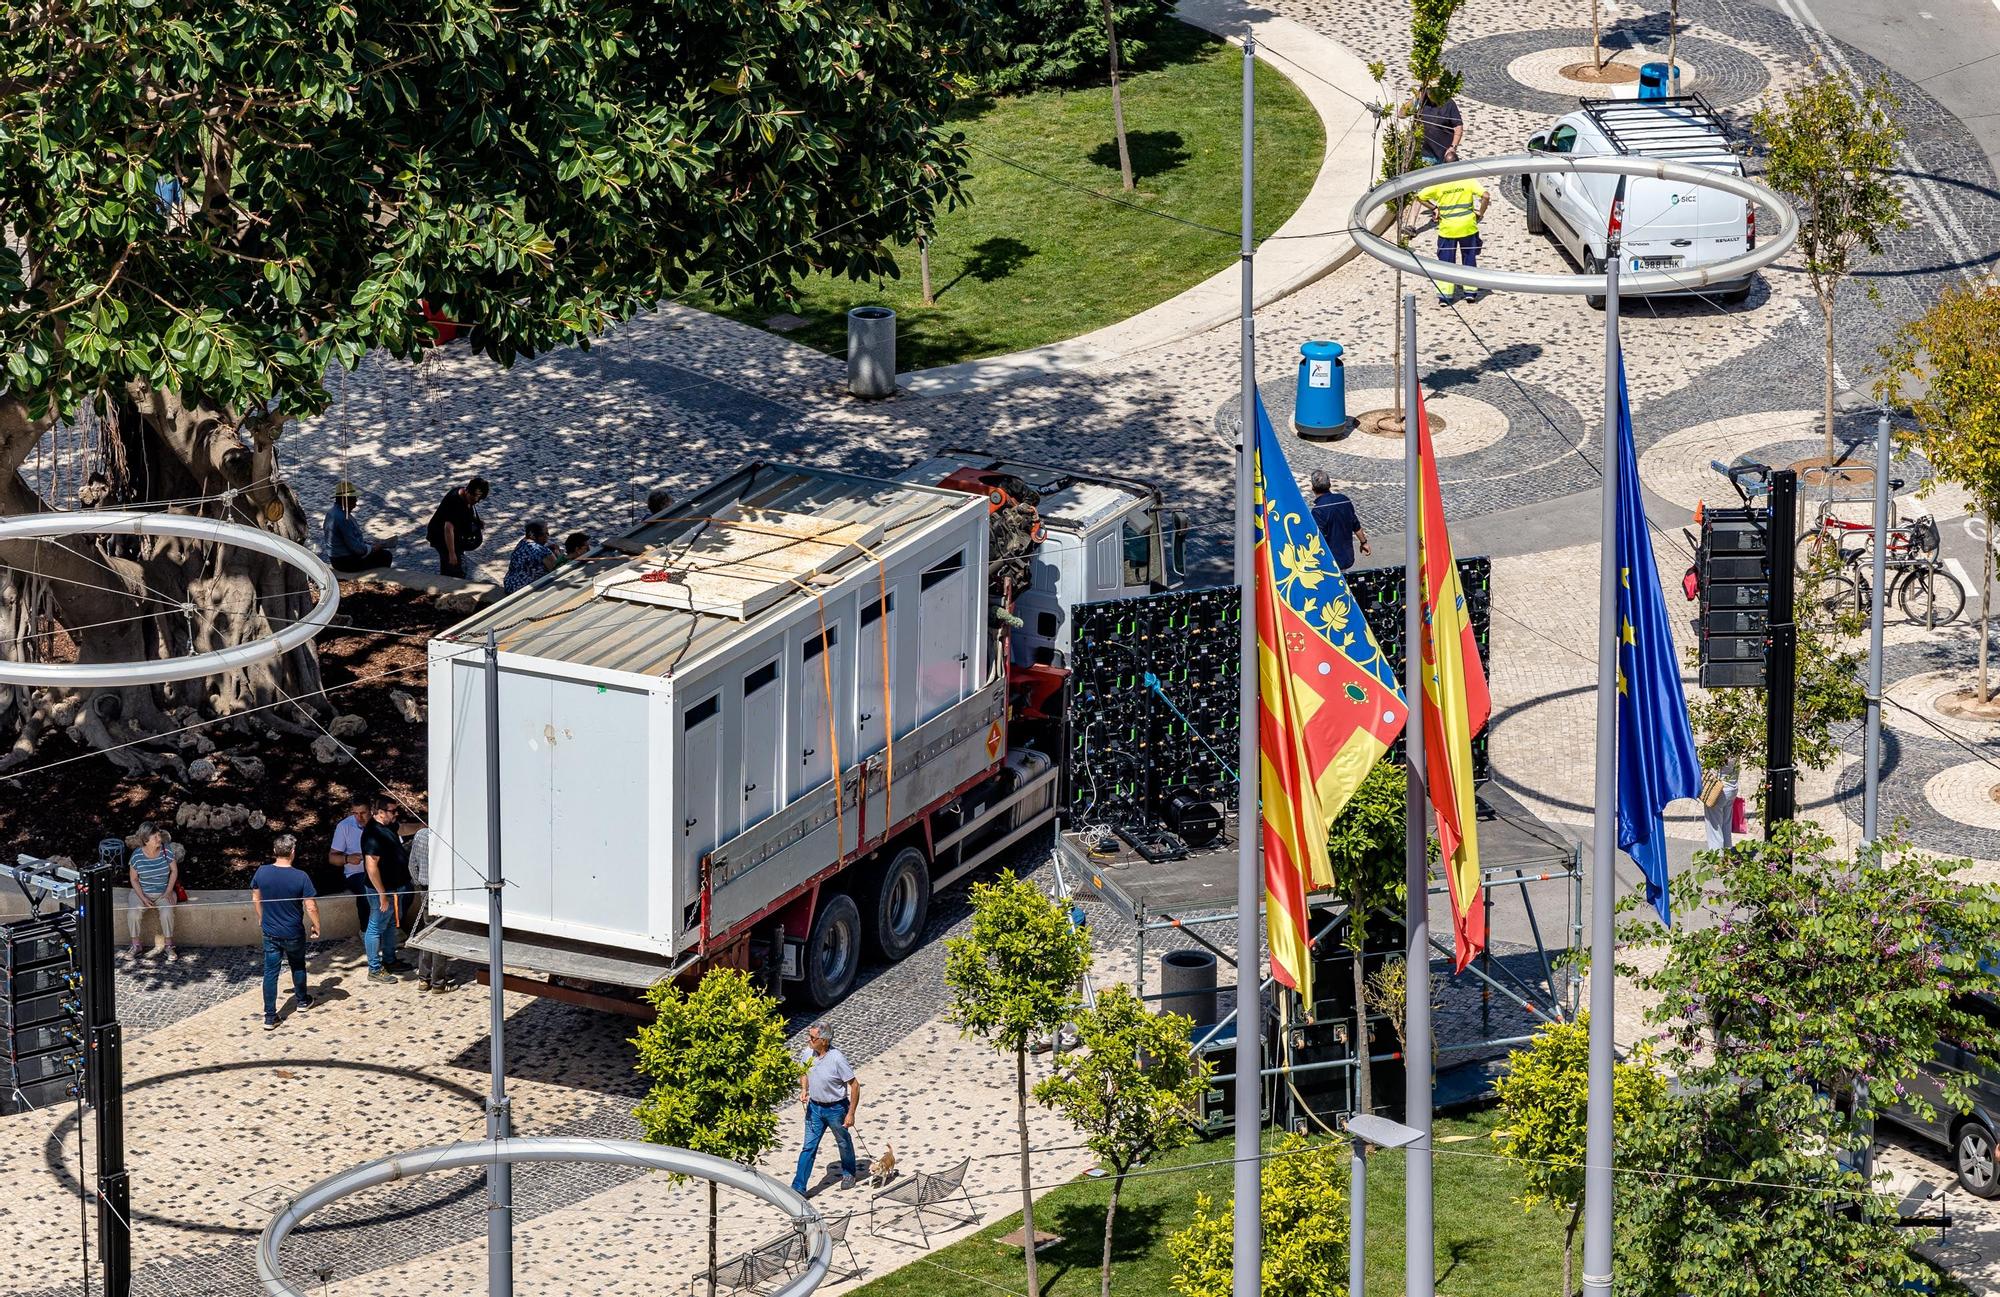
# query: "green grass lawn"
[1486,1245]
[1030,261]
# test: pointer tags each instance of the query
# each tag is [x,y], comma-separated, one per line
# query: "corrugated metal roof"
[563,619]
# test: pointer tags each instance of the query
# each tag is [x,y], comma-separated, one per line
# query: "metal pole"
[1357,1215]
[1597,1188]
[1419,1259]
[105,1068]
[1248,1267]
[1781,663]
[499,1175]
[1872,757]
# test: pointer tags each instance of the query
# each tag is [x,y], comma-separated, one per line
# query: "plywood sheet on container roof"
[737,564]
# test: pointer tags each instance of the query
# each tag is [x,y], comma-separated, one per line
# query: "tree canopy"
[208,206]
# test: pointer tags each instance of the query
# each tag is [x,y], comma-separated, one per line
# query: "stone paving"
[226,1120]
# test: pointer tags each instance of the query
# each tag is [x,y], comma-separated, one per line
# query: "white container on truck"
[760,730]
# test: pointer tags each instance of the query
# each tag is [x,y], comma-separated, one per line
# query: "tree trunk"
[711,1242]
[1986,605]
[1110,1215]
[1569,1245]
[1596,38]
[924,263]
[1117,101]
[124,599]
[1357,941]
[1826,320]
[1673,38]
[1027,1189]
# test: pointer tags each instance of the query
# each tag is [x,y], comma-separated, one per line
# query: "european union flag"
[1656,758]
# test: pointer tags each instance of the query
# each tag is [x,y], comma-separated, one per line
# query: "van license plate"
[1655,263]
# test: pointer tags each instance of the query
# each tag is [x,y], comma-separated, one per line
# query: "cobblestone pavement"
[227,1120]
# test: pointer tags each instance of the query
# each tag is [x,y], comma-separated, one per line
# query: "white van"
[1658,224]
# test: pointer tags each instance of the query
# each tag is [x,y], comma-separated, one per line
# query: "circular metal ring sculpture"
[89,675]
[619,1152]
[1633,282]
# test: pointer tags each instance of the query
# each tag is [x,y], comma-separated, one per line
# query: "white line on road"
[1940,215]
[1957,568]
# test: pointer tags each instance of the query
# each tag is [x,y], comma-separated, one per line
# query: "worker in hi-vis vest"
[1457,205]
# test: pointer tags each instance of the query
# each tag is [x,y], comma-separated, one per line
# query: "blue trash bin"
[1656,81]
[1321,406]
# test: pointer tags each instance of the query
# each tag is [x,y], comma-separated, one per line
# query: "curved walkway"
[1313,243]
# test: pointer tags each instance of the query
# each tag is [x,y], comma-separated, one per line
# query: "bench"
[925,1194]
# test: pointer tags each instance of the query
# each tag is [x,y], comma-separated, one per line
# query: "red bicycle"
[1830,540]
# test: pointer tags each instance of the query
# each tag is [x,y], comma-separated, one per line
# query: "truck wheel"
[901,905]
[833,951]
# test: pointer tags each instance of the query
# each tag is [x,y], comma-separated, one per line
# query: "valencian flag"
[1456,704]
[1656,759]
[1329,703]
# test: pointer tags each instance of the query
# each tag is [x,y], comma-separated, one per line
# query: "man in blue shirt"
[289,918]
[346,548]
[1338,522]
[533,558]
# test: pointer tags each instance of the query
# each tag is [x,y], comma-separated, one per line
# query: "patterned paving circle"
[1728,76]
[1920,694]
[1469,426]
[1544,70]
[1965,793]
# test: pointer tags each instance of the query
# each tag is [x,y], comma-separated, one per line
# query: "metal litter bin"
[871,352]
[1187,984]
[1658,81]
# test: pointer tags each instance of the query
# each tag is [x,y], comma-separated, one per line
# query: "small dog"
[882,1169]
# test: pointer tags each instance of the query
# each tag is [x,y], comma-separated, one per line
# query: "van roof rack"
[1687,127]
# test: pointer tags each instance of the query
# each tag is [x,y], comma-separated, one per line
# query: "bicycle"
[1821,541]
[1921,586]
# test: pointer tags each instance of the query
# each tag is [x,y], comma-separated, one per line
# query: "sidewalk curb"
[1336,82]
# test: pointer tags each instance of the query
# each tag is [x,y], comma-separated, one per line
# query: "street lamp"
[1364,1129]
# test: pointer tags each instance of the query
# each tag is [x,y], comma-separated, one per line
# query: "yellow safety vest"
[1457,203]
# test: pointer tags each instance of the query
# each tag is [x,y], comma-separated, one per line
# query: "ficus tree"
[1013,978]
[1946,366]
[1303,1194]
[1365,850]
[207,207]
[717,1067]
[1831,150]
[1133,1092]
[1544,1099]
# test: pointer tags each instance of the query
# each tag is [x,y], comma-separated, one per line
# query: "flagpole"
[1419,1249]
[1248,1266]
[1597,1184]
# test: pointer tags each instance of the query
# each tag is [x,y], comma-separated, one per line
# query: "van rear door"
[1662,228]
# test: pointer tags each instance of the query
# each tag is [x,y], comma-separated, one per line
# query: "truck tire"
[833,950]
[1595,269]
[1535,223]
[900,905]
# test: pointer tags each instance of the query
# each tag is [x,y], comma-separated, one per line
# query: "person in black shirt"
[1337,520]
[388,888]
[456,527]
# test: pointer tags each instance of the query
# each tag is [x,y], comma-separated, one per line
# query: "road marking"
[1957,568]
[1941,217]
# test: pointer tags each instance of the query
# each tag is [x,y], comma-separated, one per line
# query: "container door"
[872,712]
[944,659]
[819,672]
[701,783]
[762,738]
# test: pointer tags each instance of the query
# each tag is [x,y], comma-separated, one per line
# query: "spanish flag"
[1456,705]
[1329,703]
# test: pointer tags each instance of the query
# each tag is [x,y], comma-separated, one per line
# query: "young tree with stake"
[1014,978]
[719,1069]
[1946,366]
[1543,1101]
[1830,151]
[1365,849]
[1135,1091]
